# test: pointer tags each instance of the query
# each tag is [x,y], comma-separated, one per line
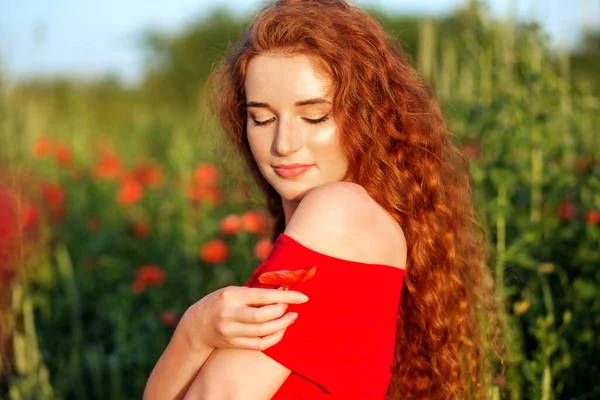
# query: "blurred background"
[121,205]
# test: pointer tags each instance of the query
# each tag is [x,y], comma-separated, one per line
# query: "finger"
[257,296]
[258,343]
[267,328]
[257,315]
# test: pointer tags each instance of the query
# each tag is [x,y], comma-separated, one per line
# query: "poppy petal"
[286,277]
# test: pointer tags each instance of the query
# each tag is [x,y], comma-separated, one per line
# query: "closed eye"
[324,118]
[261,123]
[318,120]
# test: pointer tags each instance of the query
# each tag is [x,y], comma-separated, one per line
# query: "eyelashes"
[318,120]
[308,120]
[262,123]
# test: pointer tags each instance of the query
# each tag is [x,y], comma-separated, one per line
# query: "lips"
[292,170]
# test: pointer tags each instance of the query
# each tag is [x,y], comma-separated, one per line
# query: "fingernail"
[293,316]
[303,298]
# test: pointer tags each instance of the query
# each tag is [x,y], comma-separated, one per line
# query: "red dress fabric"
[341,346]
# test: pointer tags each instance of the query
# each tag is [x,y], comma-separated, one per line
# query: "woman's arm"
[338,219]
[234,374]
[177,367]
[232,317]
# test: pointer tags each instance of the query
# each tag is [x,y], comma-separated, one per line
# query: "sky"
[93,38]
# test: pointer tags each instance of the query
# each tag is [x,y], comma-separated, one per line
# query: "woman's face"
[292,134]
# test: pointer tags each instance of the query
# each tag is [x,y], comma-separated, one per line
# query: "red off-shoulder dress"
[341,346]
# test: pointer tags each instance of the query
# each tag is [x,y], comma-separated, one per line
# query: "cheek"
[327,144]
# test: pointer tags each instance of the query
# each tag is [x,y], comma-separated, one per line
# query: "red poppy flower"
[7,275]
[593,217]
[130,193]
[231,224]
[148,175]
[210,195]
[29,215]
[567,210]
[168,318]
[285,278]
[42,147]
[63,155]
[262,249]
[151,275]
[206,174]
[9,236]
[214,252]
[108,168]
[253,222]
[8,215]
[141,229]
[138,287]
[54,196]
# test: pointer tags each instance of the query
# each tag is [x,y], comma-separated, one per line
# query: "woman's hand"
[240,317]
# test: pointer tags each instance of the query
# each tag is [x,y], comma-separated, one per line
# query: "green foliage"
[180,65]
[537,179]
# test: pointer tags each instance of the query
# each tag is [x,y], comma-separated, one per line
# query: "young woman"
[373,221]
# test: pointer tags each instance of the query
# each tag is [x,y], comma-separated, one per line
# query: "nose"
[287,137]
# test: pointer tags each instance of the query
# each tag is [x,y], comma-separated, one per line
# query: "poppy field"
[112,266]
[118,212]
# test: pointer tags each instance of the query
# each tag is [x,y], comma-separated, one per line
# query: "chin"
[292,194]
[291,190]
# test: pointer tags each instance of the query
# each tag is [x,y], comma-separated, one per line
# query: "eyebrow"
[301,103]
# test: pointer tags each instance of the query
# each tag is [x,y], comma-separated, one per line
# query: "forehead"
[285,77]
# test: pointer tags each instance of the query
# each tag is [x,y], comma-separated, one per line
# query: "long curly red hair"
[387,111]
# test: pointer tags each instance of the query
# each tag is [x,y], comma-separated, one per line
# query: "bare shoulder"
[340,219]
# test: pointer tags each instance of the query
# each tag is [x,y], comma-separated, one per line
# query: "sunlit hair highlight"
[386,110]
